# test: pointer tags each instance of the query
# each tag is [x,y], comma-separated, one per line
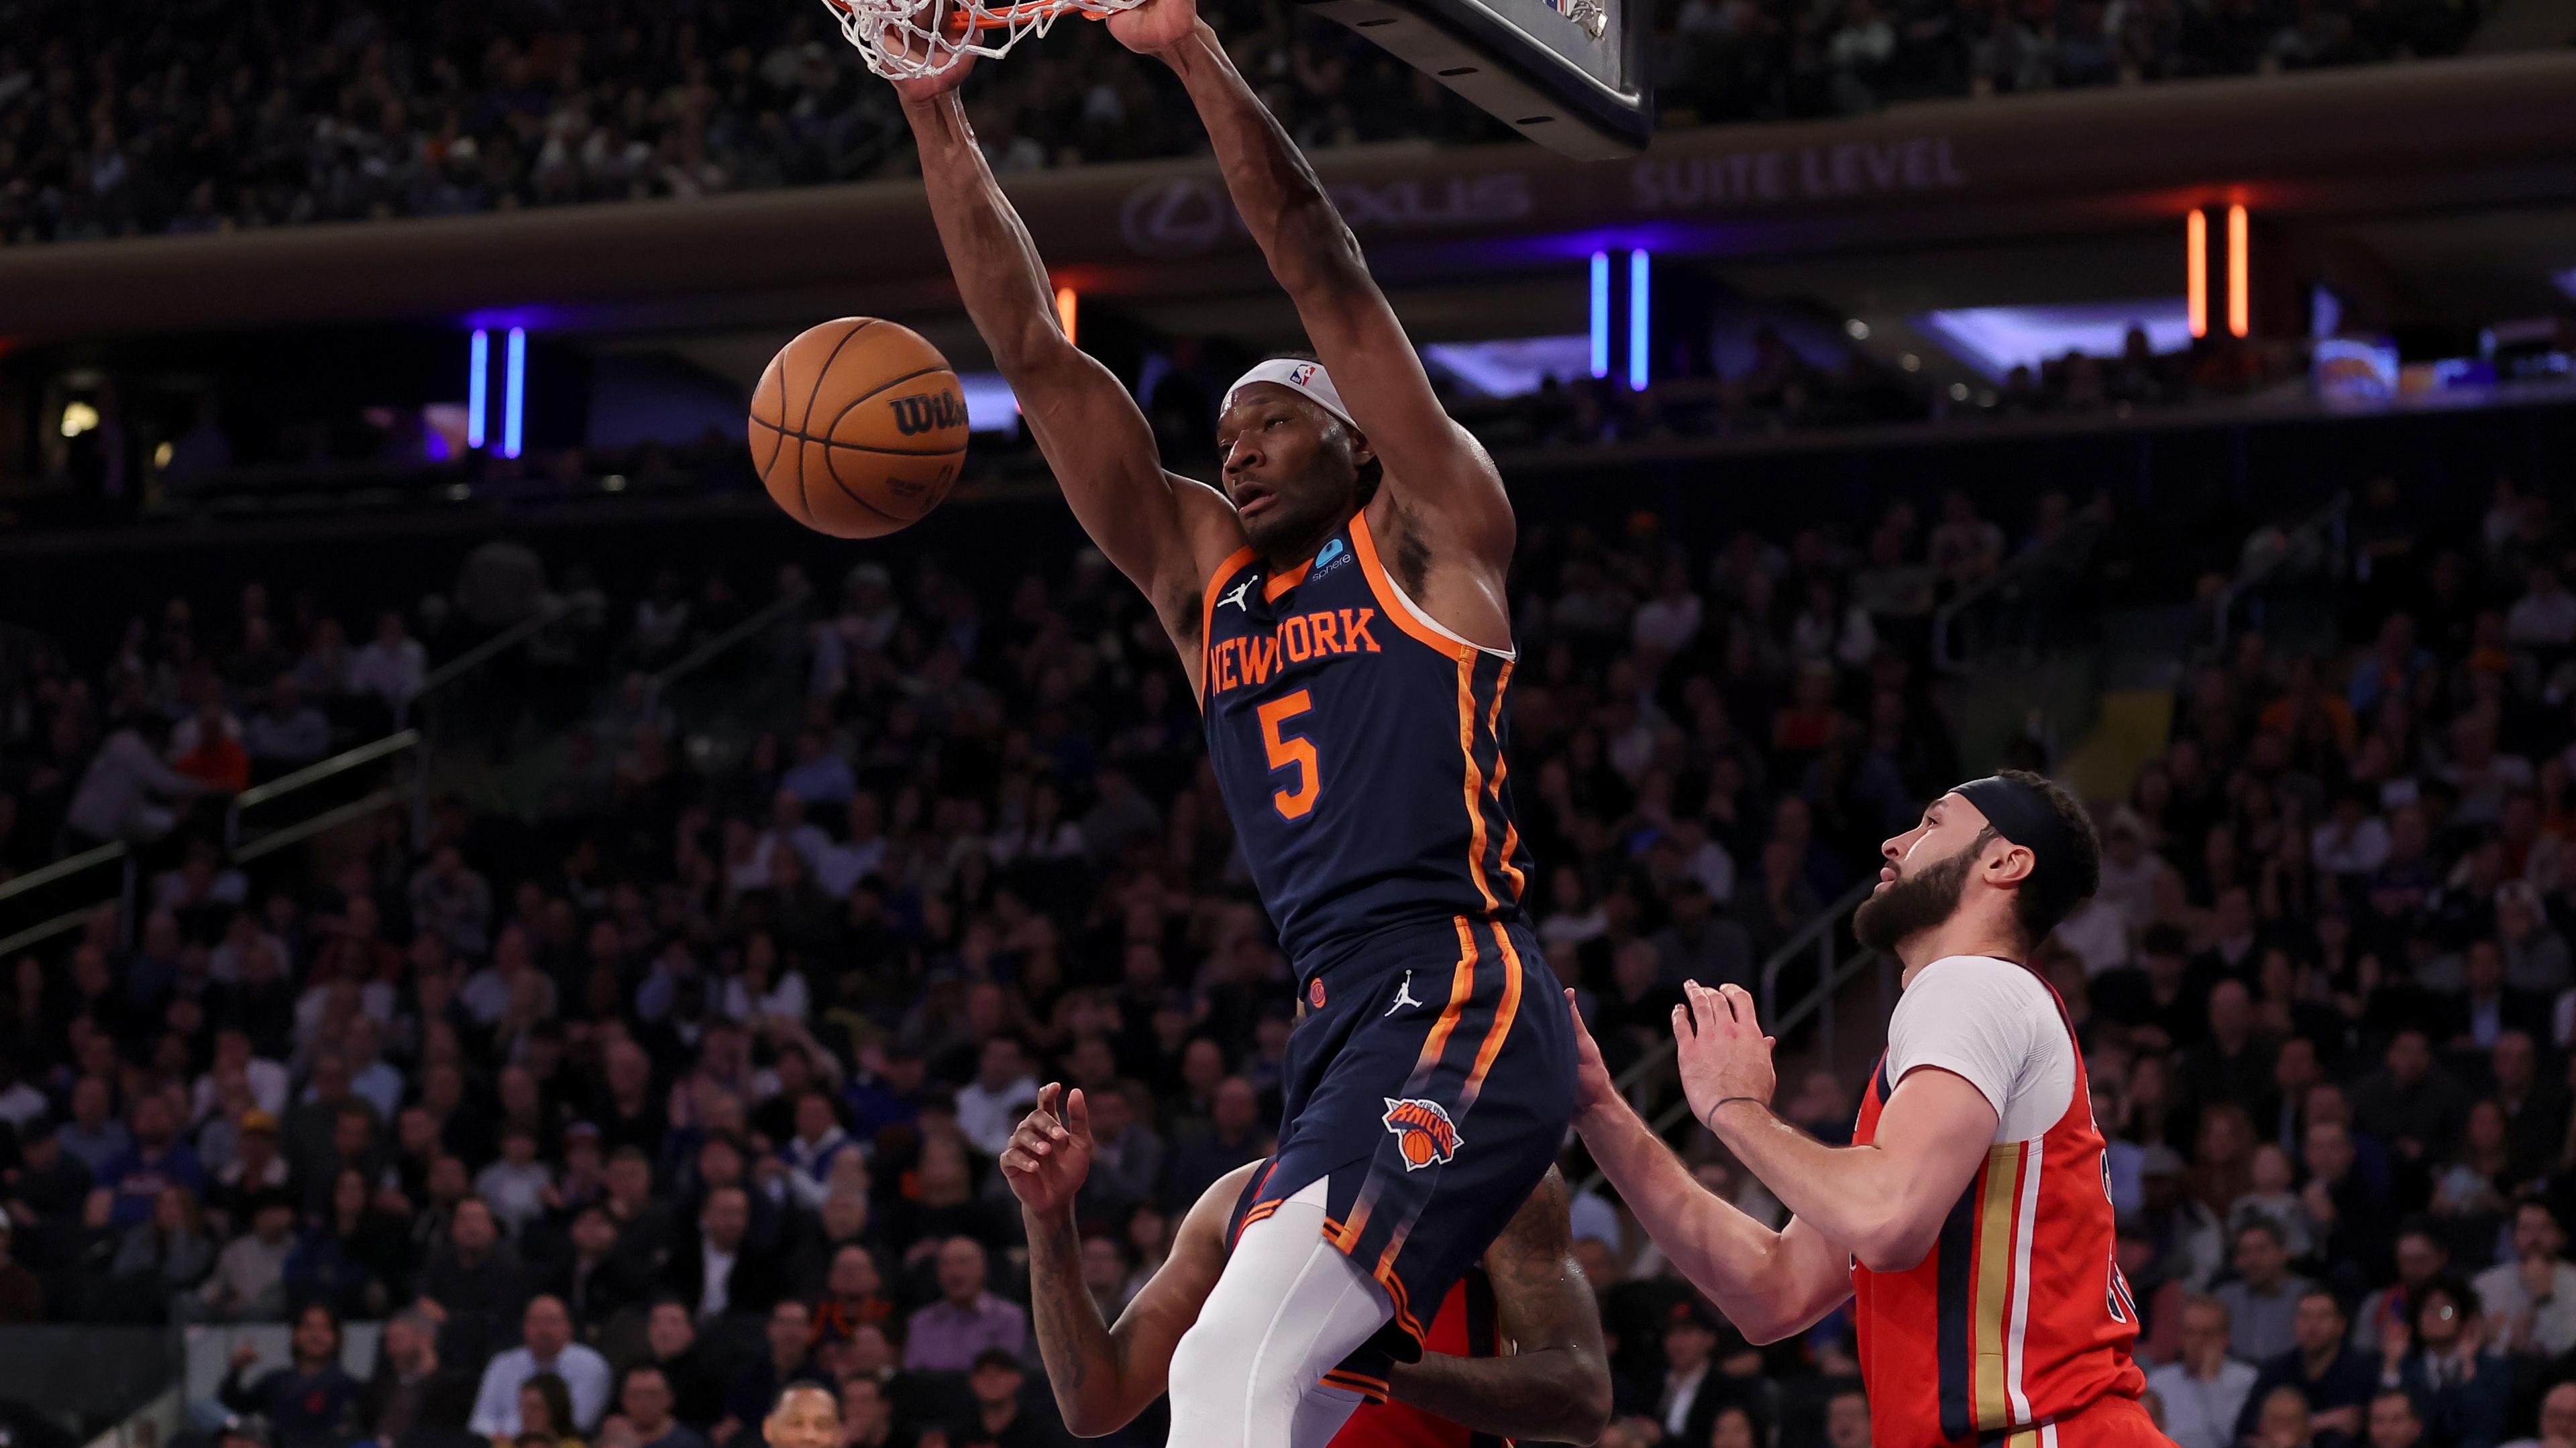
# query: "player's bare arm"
[1164,531]
[1103,1373]
[1770,1284]
[1442,509]
[1554,1384]
[1884,1202]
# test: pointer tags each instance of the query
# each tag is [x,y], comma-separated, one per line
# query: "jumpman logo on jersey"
[1403,995]
[1240,589]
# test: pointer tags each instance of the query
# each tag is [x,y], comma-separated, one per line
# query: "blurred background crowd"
[625,1090]
[200,116]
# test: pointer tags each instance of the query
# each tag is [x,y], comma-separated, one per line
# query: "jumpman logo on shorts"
[1403,995]
[1240,589]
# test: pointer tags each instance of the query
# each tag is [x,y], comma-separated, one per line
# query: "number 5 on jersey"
[1290,751]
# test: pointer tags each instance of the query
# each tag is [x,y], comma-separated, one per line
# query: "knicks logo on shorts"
[1423,1131]
[1315,993]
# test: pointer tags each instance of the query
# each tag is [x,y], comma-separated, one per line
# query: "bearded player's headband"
[2019,812]
[1307,379]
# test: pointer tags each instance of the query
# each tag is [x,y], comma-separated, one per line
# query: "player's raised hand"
[1723,1053]
[1593,1088]
[1050,1152]
[1155,26]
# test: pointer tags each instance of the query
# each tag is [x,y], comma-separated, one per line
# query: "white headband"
[1309,379]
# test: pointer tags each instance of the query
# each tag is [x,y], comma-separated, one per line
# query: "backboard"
[1569,74]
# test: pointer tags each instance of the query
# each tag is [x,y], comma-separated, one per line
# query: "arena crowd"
[124,120]
[684,1080]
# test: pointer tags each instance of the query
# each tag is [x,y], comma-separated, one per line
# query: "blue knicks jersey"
[1359,748]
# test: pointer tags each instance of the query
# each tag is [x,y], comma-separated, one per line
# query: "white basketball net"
[914,39]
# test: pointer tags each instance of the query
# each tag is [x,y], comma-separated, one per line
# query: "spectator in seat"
[806,1415]
[696,1393]
[867,1417]
[2394,1420]
[645,1403]
[2557,1419]
[2462,1388]
[415,1400]
[2409,1103]
[2263,1302]
[391,665]
[94,1137]
[157,1159]
[207,748]
[2282,1420]
[2231,1065]
[596,1281]
[477,1286]
[946,1335]
[2530,1301]
[989,1107]
[1234,1136]
[545,1416]
[546,1347]
[712,1270]
[312,1402]
[2422,1258]
[288,734]
[789,1339]
[117,799]
[999,1418]
[818,1144]
[249,1280]
[853,1297]
[2349,1212]
[2535,1110]
[452,901]
[2332,1378]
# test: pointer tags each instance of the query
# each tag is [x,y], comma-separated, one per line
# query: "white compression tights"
[1288,1307]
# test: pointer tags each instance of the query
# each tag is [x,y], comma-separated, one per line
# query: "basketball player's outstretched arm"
[1163,531]
[1103,1374]
[1552,1384]
[1883,1202]
[1439,470]
[1769,1284]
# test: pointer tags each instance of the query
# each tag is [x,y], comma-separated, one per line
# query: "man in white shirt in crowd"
[990,1106]
[289,733]
[546,1347]
[391,665]
[2545,617]
[2530,1301]
[2204,1390]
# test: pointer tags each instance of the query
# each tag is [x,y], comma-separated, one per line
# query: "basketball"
[858,427]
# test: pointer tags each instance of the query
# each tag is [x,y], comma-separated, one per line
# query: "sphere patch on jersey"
[1422,1129]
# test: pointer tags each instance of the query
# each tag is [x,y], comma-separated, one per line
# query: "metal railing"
[309,780]
[474,658]
[2320,534]
[1838,961]
[2084,529]
[310,784]
[28,891]
[721,644]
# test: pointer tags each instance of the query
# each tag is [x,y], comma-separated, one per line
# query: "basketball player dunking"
[1971,1217]
[1340,609]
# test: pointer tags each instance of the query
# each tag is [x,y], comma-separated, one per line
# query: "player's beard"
[1915,903]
